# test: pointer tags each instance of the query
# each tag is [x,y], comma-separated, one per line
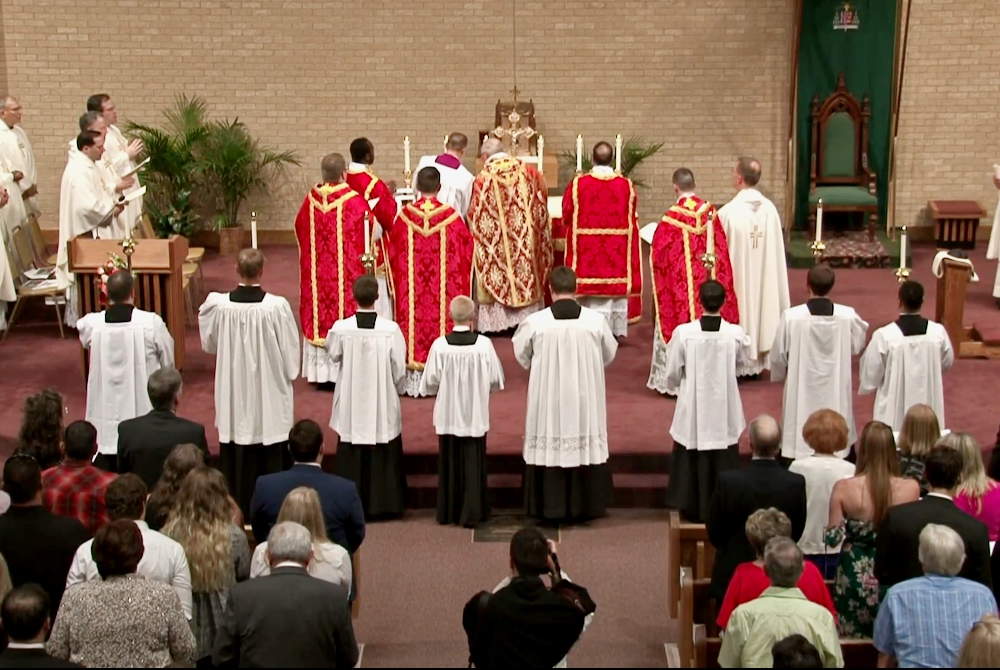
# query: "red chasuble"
[681,239]
[430,258]
[330,232]
[602,239]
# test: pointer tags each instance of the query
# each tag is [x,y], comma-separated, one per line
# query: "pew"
[688,547]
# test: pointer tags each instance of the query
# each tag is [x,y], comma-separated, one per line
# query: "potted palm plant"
[635,151]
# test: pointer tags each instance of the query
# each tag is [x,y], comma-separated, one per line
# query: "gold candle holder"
[407,178]
[902,274]
[128,248]
[818,250]
[368,260]
[708,260]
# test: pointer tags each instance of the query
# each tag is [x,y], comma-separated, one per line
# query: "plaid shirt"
[77,490]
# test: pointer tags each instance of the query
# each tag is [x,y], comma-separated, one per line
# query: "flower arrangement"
[111,266]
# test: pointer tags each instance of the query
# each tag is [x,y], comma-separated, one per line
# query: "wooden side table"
[956,222]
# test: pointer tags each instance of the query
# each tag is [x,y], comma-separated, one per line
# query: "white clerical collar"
[604,170]
[250,285]
[496,157]
[315,465]
[940,495]
[366,310]
[290,564]
[26,645]
[357,167]
[461,329]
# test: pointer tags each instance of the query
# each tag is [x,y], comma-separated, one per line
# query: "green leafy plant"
[635,150]
[178,219]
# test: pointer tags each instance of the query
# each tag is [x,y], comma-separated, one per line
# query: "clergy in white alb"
[812,355]
[8,292]
[371,355]
[121,153]
[118,228]
[757,253]
[126,346]
[16,151]
[993,250]
[904,362]
[13,213]
[566,348]
[462,370]
[256,345]
[702,359]
[456,180]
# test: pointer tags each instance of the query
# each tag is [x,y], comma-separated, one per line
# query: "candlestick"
[541,149]
[618,153]
[711,237]
[819,221]
[579,154]
[368,233]
[903,273]
[253,229]
[368,257]
[445,145]
[406,154]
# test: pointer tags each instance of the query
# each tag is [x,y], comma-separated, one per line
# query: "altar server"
[371,356]
[462,370]
[121,152]
[566,347]
[456,180]
[16,152]
[380,197]
[256,345]
[126,346]
[904,362]
[812,348]
[704,356]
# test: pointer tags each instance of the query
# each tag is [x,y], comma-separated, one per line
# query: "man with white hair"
[286,619]
[923,621]
[456,180]
[16,154]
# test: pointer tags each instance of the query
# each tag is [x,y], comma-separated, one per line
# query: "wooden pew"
[688,547]
[689,652]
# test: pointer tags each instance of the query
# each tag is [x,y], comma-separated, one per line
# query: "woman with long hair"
[978,494]
[183,459]
[920,432]
[217,550]
[42,427]
[981,648]
[857,506]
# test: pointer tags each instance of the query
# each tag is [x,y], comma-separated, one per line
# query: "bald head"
[333,168]
[748,171]
[603,154]
[457,143]
[765,436]
[491,147]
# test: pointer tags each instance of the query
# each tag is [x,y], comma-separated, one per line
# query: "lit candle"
[819,221]
[541,149]
[253,229]
[711,236]
[368,234]
[618,153]
[579,153]
[406,154]
[902,249]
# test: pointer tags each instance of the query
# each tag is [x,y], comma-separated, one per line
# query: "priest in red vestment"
[381,200]
[430,260]
[509,219]
[675,259]
[602,242]
[330,233]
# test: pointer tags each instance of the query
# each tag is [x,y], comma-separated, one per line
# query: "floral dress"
[855,589]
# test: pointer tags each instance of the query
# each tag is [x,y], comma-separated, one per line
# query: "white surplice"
[456,184]
[814,353]
[256,347]
[760,275]
[372,369]
[462,377]
[904,371]
[993,250]
[16,151]
[701,372]
[8,292]
[567,422]
[117,228]
[122,357]
[116,149]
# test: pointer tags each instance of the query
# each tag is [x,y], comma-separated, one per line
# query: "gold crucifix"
[756,236]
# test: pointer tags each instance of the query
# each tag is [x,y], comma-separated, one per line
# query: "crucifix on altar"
[514,124]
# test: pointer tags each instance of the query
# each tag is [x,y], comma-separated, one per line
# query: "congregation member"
[681,240]
[795,651]
[254,405]
[780,611]
[923,621]
[981,648]
[126,346]
[509,219]
[566,348]
[38,545]
[462,370]
[163,560]
[740,493]
[919,434]
[41,432]
[703,360]
[287,619]
[26,620]
[16,152]
[145,442]
[812,354]
[456,180]
[76,487]
[978,494]
[904,362]
[330,232]
[600,212]
[121,152]
[183,459]
[381,200]
[343,516]
[430,263]
[371,354]
[756,244]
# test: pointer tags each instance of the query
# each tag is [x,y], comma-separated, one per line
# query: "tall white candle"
[368,233]
[902,249]
[541,149]
[711,236]
[253,229]
[819,222]
[618,153]
[445,145]
[406,154]
[579,153]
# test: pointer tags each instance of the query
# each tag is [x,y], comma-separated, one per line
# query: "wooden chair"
[839,173]
[21,260]
[41,250]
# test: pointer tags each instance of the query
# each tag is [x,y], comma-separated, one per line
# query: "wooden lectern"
[159,283]
[951,289]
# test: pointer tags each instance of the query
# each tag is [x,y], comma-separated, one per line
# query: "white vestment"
[372,371]
[117,227]
[701,372]
[567,422]
[8,292]
[16,151]
[116,149]
[14,214]
[256,347]
[993,250]
[456,184]
[122,357]
[814,352]
[905,371]
[760,275]
[462,377]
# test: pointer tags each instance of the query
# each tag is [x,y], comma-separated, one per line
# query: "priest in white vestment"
[14,214]
[993,250]
[813,349]
[904,362]
[703,359]
[566,348]
[462,370]
[126,346]
[8,292]
[118,228]
[456,180]
[255,340]
[371,356]
[757,253]
[16,152]
[121,152]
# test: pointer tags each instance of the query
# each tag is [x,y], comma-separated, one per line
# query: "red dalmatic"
[602,238]
[430,259]
[681,239]
[368,186]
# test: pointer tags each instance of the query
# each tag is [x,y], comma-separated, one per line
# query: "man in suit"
[26,620]
[898,543]
[342,512]
[286,619]
[145,441]
[740,493]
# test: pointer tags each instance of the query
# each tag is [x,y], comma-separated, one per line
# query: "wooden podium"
[950,312]
[159,285]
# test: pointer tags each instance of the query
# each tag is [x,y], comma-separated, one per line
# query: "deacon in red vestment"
[680,241]
[509,219]
[330,233]
[430,260]
[381,200]
[602,242]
